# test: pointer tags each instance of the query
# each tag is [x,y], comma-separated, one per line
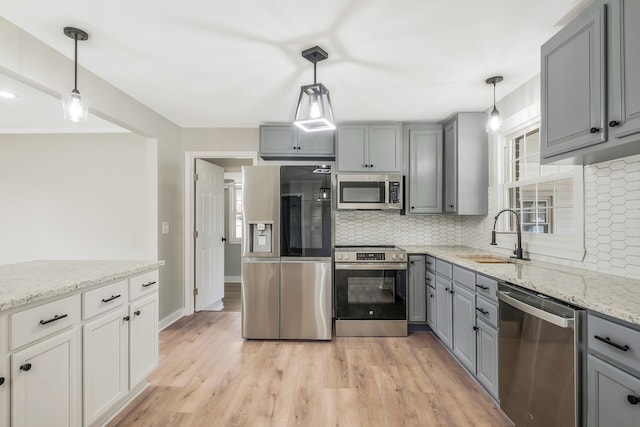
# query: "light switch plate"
[165,227]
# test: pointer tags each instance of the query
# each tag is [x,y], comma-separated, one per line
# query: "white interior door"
[209,243]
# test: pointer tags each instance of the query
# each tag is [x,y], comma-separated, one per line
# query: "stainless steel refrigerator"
[286,252]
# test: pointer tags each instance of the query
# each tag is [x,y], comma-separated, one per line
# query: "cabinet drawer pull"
[112,298]
[613,123]
[633,399]
[137,312]
[594,130]
[607,340]
[481,310]
[146,285]
[26,367]
[56,317]
[484,288]
[1,380]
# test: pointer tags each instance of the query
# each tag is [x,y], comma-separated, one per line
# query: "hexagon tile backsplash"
[612,223]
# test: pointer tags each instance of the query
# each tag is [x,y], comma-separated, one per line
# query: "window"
[548,198]
[235,213]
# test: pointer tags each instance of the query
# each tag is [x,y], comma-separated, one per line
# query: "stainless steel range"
[370,291]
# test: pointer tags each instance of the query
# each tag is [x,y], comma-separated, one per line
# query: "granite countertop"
[615,296]
[33,281]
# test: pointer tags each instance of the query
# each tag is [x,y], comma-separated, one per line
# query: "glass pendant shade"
[75,107]
[494,122]
[314,112]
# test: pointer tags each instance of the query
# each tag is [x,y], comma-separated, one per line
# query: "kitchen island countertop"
[33,281]
[615,296]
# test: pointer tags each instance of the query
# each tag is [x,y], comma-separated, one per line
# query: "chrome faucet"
[518,250]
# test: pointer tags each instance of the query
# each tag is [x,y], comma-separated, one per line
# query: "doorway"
[194,286]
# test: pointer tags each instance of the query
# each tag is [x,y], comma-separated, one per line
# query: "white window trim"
[557,246]
[233,239]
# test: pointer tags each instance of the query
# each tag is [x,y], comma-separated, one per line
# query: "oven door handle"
[560,321]
[366,266]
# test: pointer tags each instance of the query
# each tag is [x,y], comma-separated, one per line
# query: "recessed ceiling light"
[7,95]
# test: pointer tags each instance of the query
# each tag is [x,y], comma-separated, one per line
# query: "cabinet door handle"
[451,291]
[633,399]
[481,310]
[484,288]
[126,318]
[112,298]
[137,312]
[450,206]
[475,328]
[1,380]
[607,340]
[26,367]
[56,317]
[613,123]
[224,239]
[431,295]
[594,130]
[146,285]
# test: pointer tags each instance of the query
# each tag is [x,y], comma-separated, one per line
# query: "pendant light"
[314,112]
[74,105]
[325,191]
[494,122]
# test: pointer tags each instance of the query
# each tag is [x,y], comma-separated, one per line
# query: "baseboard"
[232,279]
[171,319]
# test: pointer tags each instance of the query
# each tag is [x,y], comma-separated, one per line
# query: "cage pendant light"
[314,112]
[494,121]
[75,106]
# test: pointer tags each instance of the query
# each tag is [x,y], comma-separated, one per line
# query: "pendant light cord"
[75,74]
[315,61]
[494,95]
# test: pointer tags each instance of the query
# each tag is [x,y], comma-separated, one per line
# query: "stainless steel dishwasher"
[541,358]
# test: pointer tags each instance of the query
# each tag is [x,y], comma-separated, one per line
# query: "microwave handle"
[386,191]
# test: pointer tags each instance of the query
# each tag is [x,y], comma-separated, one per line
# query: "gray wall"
[36,64]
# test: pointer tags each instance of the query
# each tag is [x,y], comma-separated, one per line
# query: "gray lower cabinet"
[487,357]
[370,147]
[611,392]
[590,99]
[466,175]
[431,307]
[424,161]
[417,288]
[444,327]
[464,325]
[289,142]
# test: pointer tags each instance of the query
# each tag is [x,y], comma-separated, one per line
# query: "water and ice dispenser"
[260,237]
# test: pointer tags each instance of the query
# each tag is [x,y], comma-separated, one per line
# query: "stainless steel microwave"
[364,191]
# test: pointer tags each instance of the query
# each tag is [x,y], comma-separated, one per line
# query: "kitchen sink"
[487,259]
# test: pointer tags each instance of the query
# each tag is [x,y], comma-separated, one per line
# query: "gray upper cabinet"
[573,79]
[281,142]
[424,160]
[590,90]
[417,288]
[370,148]
[466,167]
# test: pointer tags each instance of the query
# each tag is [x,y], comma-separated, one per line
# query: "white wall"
[77,197]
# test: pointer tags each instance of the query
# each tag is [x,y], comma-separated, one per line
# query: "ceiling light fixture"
[494,122]
[7,95]
[314,112]
[74,105]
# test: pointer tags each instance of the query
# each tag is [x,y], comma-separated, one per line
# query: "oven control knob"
[394,256]
[370,312]
[401,256]
[339,257]
[346,257]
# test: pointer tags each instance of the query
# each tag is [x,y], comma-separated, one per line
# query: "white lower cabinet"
[143,339]
[105,363]
[45,386]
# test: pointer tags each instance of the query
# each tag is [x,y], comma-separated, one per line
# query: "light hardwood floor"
[209,376]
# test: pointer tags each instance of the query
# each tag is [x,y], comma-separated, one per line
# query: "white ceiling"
[237,63]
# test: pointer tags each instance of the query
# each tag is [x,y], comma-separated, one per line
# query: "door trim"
[188,216]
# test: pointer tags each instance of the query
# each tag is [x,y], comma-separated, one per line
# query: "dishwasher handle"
[563,322]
